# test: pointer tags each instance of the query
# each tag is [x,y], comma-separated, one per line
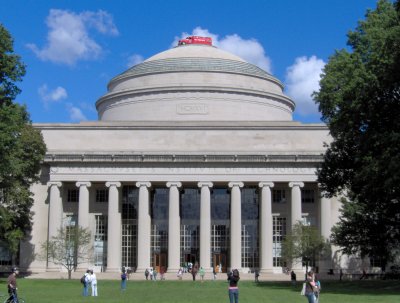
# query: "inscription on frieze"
[192,109]
[126,170]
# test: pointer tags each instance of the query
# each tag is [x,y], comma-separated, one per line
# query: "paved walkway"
[140,276]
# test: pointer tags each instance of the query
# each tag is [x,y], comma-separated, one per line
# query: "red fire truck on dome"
[195,40]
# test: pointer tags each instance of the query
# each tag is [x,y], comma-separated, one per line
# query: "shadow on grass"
[366,287]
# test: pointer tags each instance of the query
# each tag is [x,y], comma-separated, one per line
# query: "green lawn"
[65,291]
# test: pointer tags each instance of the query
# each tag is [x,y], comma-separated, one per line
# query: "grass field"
[70,291]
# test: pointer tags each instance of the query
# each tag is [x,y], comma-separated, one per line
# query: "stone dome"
[195,83]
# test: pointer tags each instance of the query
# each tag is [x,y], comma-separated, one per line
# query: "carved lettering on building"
[192,109]
[196,170]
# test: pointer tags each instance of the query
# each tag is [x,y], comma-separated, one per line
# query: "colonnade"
[144,222]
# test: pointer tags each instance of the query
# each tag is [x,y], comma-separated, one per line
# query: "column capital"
[266,184]
[84,183]
[208,184]
[143,183]
[235,183]
[54,183]
[293,184]
[113,183]
[174,184]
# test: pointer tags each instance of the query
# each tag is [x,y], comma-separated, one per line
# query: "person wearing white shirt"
[93,280]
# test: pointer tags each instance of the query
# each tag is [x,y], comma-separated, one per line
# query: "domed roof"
[194,51]
[197,83]
[194,58]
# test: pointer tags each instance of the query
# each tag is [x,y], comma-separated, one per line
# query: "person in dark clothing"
[194,271]
[233,292]
[12,286]
[256,275]
[364,275]
[293,277]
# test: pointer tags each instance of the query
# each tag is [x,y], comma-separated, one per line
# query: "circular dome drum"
[195,83]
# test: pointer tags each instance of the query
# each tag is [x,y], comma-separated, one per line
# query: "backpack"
[83,279]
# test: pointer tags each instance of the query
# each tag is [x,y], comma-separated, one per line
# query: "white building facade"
[195,158]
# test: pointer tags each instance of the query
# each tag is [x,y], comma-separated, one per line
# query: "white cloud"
[248,49]
[101,21]
[302,79]
[75,113]
[134,59]
[49,96]
[68,39]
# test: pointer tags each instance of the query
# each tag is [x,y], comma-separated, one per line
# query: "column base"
[207,269]
[142,269]
[83,267]
[53,269]
[266,271]
[113,269]
[173,269]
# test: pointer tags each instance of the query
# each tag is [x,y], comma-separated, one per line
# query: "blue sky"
[72,49]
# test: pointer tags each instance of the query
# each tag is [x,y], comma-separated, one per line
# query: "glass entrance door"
[160,261]
[219,262]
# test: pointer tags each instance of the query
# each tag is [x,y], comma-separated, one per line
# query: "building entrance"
[160,261]
[219,262]
[191,258]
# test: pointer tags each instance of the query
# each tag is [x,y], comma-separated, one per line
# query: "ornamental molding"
[180,158]
[64,171]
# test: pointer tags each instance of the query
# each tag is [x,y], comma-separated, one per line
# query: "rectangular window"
[130,196]
[250,256]
[219,238]
[100,241]
[129,240]
[159,240]
[307,196]
[278,234]
[73,195]
[278,196]
[309,221]
[190,243]
[5,254]
[250,228]
[102,195]
[375,262]
[70,225]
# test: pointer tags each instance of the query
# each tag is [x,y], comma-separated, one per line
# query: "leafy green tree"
[21,150]
[69,248]
[304,243]
[359,99]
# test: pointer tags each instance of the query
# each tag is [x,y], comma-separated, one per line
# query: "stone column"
[266,229]
[325,208]
[114,228]
[236,225]
[174,227]
[296,202]
[83,212]
[325,223]
[55,216]
[144,227]
[205,226]
[296,217]
[55,209]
